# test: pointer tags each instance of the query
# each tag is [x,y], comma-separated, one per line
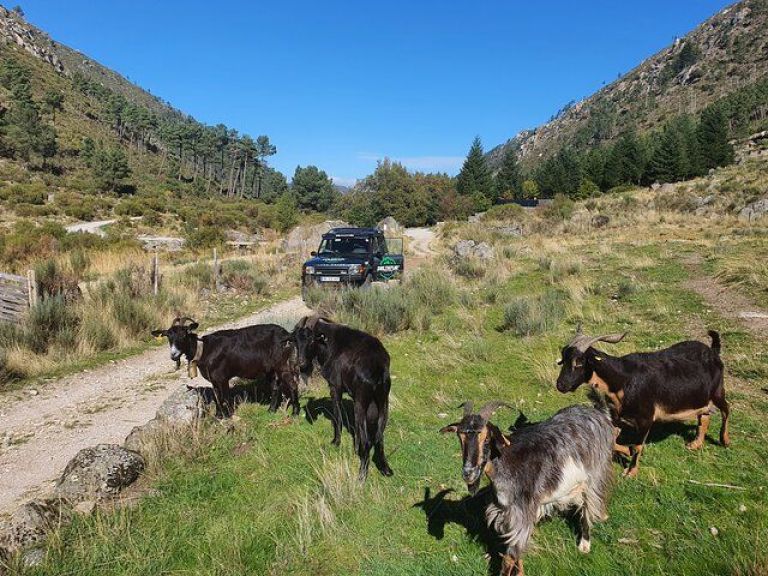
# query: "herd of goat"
[563,463]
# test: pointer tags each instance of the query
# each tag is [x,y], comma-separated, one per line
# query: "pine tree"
[509,179]
[712,137]
[475,178]
[669,162]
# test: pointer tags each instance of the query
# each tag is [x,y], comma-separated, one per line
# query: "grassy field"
[273,497]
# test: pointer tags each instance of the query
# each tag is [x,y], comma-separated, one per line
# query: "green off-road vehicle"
[353,257]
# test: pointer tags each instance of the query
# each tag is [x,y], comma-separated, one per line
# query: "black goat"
[355,363]
[263,350]
[554,465]
[677,383]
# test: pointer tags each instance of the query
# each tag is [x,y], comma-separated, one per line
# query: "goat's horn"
[176,322]
[582,343]
[187,320]
[490,407]
[467,407]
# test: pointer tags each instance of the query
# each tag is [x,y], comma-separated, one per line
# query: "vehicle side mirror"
[313,253]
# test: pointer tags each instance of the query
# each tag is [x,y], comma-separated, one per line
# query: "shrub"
[504,212]
[96,332]
[133,316]
[529,316]
[471,268]
[561,208]
[200,273]
[243,276]
[51,321]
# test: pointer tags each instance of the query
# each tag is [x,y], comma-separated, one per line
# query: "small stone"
[34,557]
[85,507]
[742,508]
[454,559]
[714,531]
[442,415]
[33,392]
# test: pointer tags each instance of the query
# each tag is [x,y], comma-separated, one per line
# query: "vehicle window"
[344,245]
[383,245]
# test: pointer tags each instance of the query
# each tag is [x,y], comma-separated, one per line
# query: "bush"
[243,276]
[205,236]
[201,273]
[504,212]
[95,332]
[468,267]
[51,321]
[530,316]
[133,316]
[561,208]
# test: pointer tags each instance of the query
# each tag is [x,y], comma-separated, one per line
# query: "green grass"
[276,498]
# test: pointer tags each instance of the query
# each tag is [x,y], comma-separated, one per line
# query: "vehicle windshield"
[345,245]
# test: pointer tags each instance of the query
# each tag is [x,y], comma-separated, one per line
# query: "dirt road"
[420,241]
[41,430]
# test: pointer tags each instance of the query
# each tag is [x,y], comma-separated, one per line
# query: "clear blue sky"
[340,84]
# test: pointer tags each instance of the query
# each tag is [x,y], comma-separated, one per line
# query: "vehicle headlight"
[309,269]
[354,268]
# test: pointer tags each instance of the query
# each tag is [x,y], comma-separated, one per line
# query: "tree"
[509,179]
[475,178]
[669,161]
[53,100]
[712,138]
[286,212]
[313,189]
[110,168]
[530,189]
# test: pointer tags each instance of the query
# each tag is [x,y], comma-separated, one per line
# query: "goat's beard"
[475,486]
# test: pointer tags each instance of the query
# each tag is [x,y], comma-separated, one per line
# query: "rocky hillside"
[15,30]
[726,53]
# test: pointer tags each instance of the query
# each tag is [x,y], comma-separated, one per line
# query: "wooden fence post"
[32,287]
[155,274]
[216,271]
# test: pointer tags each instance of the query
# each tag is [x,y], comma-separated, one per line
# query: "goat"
[558,464]
[356,363]
[676,383]
[263,350]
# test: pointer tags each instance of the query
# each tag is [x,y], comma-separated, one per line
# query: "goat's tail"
[715,341]
[599,401]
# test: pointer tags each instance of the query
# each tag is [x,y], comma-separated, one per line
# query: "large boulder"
[508,230]
[183,407]
[306,238]
[99,472]
[390,227]
[29,524]
[754,210]
[469,248]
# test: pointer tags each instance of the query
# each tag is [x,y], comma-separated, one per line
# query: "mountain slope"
[724,54]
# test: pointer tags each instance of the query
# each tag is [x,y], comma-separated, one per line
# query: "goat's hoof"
[695,445]
[630,473]
[585,546]
[386,471]
[336,442]
[725,442]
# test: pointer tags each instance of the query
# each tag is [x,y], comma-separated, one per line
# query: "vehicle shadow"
[467,512]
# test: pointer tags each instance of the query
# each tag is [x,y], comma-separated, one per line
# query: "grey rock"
[34,557]
[511,230]
[99,472]
[667,188]
[390,226]
[141,434]
[307,238]
[483,251]
[184,406]
[755,210]
[463,248]
[600,221]
[655,186]
[86,507]
[29,524]
[474,218]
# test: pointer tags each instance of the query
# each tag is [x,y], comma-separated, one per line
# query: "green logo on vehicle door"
[387,268]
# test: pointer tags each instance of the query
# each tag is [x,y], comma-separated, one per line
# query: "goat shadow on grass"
[468,512]
[250,391]
[317,407]
[660,431]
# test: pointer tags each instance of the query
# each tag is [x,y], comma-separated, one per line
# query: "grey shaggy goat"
[558,464]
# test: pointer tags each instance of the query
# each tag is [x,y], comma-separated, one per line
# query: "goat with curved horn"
[582,342]
[487,410]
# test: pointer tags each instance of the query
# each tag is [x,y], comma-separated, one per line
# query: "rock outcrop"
[304,239]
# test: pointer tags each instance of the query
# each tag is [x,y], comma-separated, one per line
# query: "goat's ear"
[498,439]
[450,428]
[158,333]
[193,326]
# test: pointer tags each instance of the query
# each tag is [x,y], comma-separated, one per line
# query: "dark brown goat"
[678,383]
[263,350]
